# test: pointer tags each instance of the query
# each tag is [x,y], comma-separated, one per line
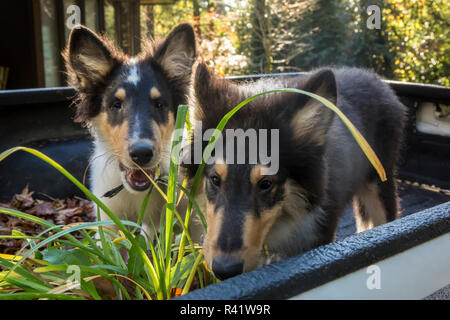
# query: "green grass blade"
[37,295]
[197,207]
[188,284]
[144,206]
[26,284]
[150,269]
[23,272]
[172,187]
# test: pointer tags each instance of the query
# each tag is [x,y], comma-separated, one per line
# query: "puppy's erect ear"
[311,120]
[178,52]
[202,85]
[215,94]
[88,59]
[206,114]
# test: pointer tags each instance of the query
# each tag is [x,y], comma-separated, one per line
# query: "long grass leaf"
[188,284]
[37,295]
[172,186]
[150,269]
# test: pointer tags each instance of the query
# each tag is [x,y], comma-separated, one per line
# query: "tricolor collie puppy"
[253,213]
[129,105]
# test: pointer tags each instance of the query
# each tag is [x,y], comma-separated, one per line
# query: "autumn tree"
[266,36]
[419,39]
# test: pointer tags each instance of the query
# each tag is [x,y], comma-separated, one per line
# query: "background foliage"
[265,36]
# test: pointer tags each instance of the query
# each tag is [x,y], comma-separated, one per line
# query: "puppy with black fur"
[321,166]
[129,105]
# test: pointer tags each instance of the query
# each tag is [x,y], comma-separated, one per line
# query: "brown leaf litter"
[57,211]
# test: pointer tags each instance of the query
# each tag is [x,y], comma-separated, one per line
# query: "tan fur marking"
[255,228]
[295,199]
[120,94]
[374,211]
[255,174]
[176,62]
[305,120]
[100,66]
[221,169]
[214,222]
[254,233]
[114,136]
[200,196]
[162,137]
[166,130]
[154,93]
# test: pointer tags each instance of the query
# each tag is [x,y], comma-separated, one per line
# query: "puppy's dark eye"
[265,184]
[215,180]
[117,104]
[158,104]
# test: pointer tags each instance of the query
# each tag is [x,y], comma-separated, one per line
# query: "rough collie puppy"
[129,104]
[252,212]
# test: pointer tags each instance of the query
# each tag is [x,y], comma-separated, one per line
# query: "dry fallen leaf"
[58,211]
[42,209]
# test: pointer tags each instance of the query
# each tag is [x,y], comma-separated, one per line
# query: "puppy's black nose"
[226,267]
[141,152]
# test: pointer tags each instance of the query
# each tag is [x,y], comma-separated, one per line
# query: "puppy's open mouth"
[136,178]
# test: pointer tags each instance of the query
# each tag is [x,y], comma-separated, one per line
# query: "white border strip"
[413,274]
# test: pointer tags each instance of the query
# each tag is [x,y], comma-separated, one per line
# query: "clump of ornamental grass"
[56,265]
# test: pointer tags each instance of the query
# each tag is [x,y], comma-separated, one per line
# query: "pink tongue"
[138,176]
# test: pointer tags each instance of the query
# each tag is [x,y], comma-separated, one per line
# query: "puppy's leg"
[390,199]
[375,204]
[328,223]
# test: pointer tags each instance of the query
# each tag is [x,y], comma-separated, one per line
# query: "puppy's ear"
[206,96]
[310,118]
[178,52]
[214,96]
[203,88]
[88,59]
